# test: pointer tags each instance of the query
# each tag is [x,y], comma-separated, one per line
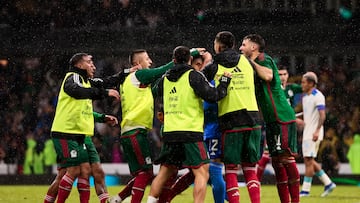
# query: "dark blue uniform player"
[212,136]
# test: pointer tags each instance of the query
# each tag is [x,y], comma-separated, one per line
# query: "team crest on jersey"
[148,160]
[290,93]
[73,153]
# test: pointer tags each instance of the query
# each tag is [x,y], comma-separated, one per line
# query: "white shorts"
[310,148]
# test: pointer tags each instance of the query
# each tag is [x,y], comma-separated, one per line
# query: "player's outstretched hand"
[114,93]
[111,120]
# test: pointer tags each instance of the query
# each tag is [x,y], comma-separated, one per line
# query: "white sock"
[324,178]
[152,199]
[307,184]
[117,197]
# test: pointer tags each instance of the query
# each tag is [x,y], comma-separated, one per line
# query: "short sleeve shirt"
[312,103]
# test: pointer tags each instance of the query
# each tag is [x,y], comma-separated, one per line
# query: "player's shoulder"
[316,93]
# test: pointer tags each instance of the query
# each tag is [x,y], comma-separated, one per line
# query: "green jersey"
[290,91]
[270,96]
[147,76]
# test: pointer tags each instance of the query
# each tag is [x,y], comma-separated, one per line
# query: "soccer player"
[74,121]
[182,90]
[137,112]
[137,106]
[238,117]
[313,103]
[290,90]
[96,169]
[212,137]
[279,118]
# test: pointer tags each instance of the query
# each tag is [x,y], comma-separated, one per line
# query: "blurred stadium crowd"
[29,84]
[57,14]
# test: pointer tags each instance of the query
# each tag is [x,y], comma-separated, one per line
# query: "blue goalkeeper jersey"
[211,128]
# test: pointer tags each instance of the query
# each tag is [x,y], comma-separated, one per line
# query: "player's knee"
[231,167]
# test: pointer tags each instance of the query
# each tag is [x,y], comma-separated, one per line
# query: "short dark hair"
[133,53]
[256,38]
[226,39]
[181,54]
[76,58]
[282,67]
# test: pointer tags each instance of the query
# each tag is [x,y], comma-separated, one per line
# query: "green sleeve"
[155,87]
[148,76]
[99,117]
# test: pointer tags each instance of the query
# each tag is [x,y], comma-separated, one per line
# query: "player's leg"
[200,183]
[72,154]
[232,148]
[251,156]
[289,131]
[159,181]
[277,144]
[293,178]
[198,160]
[309,152]
[281,179]
[124,193]
[166,190]
[137,151]
[66,183]
[142,179]
[83,184]
[309,173]
[171,157]
[216,166]
[97,171]
[178,186]
[261,164]
[324,178]
[99,181]
[217,181]
[54,187]
[265,157]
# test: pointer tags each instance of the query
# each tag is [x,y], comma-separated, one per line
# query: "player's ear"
[135,63]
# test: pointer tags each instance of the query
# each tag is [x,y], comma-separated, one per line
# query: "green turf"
[342,194]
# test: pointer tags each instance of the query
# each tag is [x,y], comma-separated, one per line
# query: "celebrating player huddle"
[209,109]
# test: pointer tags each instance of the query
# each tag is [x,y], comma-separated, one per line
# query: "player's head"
[76,58]
[140,56]
[224,40]
[197,62]
[309,81]
[283,73]
[181,55]
[83,61]
[252,43]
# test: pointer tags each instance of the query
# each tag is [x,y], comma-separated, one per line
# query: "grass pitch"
[31,193]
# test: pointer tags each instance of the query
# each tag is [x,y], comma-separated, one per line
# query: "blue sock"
[217,182]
